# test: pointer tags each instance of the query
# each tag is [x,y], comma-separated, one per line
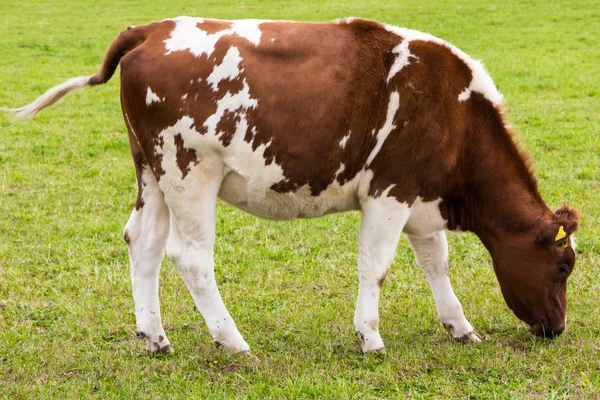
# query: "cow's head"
[532,268]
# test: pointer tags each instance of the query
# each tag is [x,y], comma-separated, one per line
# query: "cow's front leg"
[146,234]
[432,256]
[192,203]
[382,223]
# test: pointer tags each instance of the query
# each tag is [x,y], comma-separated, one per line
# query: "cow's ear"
[569,216]
[564,223]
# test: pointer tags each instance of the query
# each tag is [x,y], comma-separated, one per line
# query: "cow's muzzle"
[546,330]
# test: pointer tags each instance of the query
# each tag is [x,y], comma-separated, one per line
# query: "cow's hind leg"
[192,202]
[382,223]
[146,235]
[432,256]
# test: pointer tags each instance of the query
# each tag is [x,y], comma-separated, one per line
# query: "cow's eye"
[563,270]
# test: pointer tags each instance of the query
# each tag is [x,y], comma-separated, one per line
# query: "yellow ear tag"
[561,234]
[565,244]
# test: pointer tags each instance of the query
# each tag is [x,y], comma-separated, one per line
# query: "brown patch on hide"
[227,126]
[185,156]
[212,26]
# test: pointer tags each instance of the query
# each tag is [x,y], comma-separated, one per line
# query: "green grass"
[67,188]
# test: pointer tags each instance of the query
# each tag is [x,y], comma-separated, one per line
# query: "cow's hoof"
[156,348]
[155,345]
[243,353]
[240,347]
[380,350]
[459,334]
[371,342]
[471,337]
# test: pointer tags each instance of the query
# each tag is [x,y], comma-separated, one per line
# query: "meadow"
[67,187]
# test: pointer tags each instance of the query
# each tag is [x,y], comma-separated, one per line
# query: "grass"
[67,188]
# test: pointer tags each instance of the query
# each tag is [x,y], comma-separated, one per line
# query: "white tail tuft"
[47,99]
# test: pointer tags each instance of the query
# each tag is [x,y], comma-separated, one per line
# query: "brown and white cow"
[296,120]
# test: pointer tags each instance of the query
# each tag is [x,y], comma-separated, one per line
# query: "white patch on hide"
[387,127]
[465,94]
[228,69]
[248,29]
[188,36]
[403,57]
[573,242]
[152,97]
[481,82]
[340,170]
[344,140]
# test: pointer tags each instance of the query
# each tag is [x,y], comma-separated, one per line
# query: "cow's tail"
[124,43]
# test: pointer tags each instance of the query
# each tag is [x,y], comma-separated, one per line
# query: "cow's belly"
[248,178]
[252,193]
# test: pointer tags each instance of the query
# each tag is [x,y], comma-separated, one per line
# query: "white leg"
[146,234]
[382,223]
[192,203]
[432,256]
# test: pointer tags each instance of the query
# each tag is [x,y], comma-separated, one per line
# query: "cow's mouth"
[545,330]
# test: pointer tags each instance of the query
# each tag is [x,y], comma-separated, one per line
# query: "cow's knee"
[126,237]
[131,230]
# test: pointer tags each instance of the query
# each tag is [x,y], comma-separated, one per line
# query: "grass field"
[67,186]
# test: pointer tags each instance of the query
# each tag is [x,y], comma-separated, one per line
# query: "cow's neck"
[492,211]
[500,194]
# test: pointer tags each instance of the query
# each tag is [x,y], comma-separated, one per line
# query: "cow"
[290,120]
